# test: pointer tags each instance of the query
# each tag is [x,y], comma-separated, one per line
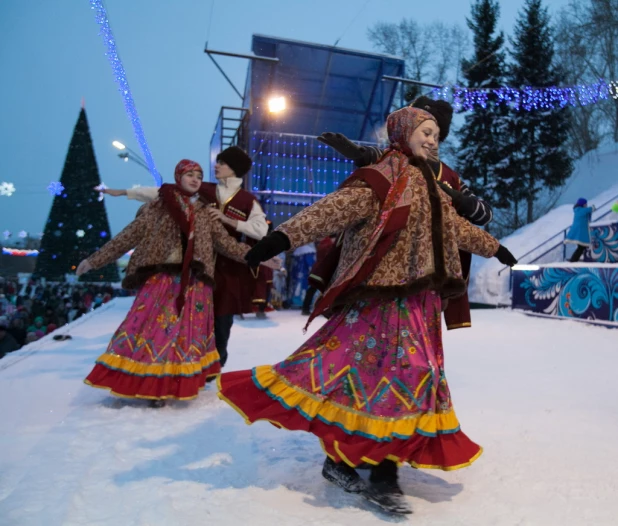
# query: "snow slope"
[531,391]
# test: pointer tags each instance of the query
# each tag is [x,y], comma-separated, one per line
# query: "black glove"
[465,205]
[370,155]
[268,247]
[505,257]
[342,144]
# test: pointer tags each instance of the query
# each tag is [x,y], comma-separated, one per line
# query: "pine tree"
[536,158]
[77,224]
[479,153]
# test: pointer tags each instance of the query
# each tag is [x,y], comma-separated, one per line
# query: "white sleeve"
[255,226]
[145,194]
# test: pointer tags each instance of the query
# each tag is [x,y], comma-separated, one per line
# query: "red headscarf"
[178,204]
[389,179]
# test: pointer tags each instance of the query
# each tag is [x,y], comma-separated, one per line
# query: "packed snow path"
[539,395]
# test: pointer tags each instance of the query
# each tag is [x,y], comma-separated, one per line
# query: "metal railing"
[562,233]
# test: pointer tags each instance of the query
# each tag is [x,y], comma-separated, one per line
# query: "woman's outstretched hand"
[273,263]
[505,257]
[268,247]
[83,267]
[110,191]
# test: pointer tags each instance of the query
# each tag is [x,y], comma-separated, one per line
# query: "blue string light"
[123,84]
[528,98]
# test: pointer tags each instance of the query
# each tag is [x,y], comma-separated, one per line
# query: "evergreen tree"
[479,153]
[77,224]
[536,160]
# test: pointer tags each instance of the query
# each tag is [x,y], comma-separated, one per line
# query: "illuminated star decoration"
[6,234]
[23,234]
[7,189]
[55,188]
[100,189]
[80,233]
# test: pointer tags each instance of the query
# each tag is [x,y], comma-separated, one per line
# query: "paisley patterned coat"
[424,254]
[157,240]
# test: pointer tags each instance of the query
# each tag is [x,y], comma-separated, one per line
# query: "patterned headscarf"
[389,178]
[178,204]
[184,166]
[400,126]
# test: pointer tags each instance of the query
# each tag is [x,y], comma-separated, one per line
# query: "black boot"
[383,489]
[343,475]
[157,403]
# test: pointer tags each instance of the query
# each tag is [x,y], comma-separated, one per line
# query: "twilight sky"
[51,56]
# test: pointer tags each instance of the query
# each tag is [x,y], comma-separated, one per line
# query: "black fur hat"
[236,159]
[440,109]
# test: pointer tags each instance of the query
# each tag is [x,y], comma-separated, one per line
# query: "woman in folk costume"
[370,383]
[243,218]
[457,310]
[165,347]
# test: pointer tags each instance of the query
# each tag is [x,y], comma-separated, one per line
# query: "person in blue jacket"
[579,233]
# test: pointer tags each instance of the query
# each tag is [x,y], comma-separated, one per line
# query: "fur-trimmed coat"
[425,253]
[157,240]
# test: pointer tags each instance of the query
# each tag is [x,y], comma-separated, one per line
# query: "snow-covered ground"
[595,177]
[539,395]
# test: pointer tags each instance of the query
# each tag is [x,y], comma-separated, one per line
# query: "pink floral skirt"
[370,384]
[157,353]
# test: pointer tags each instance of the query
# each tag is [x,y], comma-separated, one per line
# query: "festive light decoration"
[23,252]
[80,233]
[19,252]
[7,189]
[55,188]
[123,84]
[528,98]
[6,234]
[23,234]
[293,171]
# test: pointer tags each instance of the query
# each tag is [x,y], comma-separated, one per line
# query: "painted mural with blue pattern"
[578,292]
[603,244]
[299,278]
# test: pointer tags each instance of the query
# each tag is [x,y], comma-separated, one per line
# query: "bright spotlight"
[276,104]
[119,145]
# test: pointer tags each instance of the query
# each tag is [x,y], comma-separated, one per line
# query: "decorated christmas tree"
[77,224]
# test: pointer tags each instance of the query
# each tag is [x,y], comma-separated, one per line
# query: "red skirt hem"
[444,451]
[125,385]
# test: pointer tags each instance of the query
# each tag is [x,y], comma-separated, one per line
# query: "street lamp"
[130,155]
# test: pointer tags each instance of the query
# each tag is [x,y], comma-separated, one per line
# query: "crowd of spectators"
[30,311]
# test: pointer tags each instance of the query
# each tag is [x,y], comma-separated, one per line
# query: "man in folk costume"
[467,205]
[371,384]
[243,217]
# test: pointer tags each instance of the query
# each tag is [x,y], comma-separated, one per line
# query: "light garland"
[123,84]
[19,252]
[528,98]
